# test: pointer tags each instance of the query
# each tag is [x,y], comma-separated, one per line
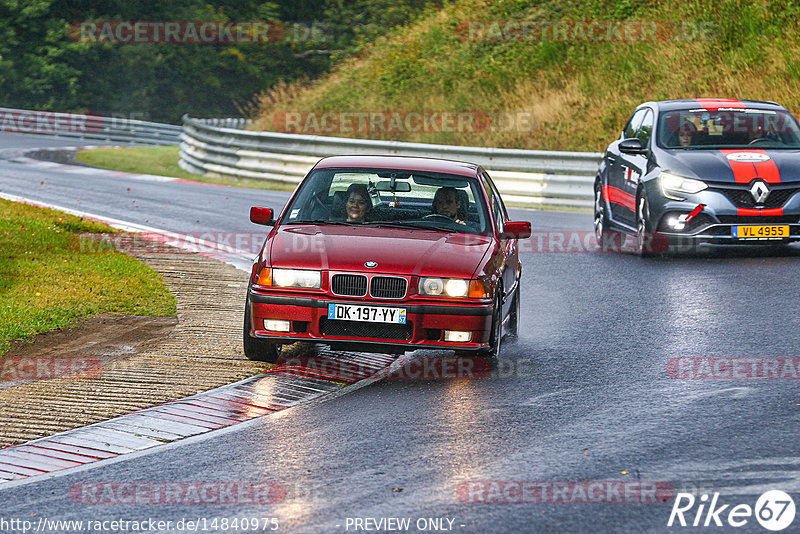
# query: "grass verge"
[161,161]
[548,90]
[50,276]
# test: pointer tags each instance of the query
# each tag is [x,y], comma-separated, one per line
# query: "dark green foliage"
[41,67]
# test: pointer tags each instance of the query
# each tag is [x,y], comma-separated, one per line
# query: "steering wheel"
[321,204]
[760,139]
[438,216]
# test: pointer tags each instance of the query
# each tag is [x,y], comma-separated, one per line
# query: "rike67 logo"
[774,510]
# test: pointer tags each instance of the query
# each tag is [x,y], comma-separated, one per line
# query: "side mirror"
[517,230]
[261,216]
[632,146]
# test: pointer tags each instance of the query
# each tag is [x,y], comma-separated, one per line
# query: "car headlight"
[452,287]
[672,183]
[296,278]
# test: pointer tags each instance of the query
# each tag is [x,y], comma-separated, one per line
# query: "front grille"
[388,287]
[357,329]
[349,285]
[699,221]
[742,198]
[719,230]
[756,219]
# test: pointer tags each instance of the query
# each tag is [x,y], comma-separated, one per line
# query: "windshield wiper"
[412,225]
[323,222]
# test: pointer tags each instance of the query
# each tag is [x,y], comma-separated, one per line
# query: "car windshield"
[728,128]
[390,198]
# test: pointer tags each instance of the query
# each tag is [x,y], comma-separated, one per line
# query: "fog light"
[677,223]
[457,336]
[276,325]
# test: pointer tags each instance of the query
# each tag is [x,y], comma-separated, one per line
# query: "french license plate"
[367,314]
[760,232]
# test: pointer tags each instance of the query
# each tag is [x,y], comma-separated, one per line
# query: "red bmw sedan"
[387,254]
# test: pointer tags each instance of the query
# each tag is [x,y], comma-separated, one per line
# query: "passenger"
[446,202]
[358,203]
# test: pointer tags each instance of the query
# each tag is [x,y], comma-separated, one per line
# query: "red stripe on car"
[772,212]
[769,212]
[616,195]
[713,104]
[748,212]
[745,172]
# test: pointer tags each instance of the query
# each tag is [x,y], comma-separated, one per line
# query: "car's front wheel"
[607,239]
[647,241]
[496,336]
[512,328]
[258,349]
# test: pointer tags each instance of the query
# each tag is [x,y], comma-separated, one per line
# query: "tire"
[607,239]
[512,329]
[496,337]
[257,349]
[648,242]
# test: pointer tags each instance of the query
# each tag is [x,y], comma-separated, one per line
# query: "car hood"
[734,165]
[396,251]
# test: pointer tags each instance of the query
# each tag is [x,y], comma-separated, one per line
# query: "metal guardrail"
[530,177]
[221,147]
[121,130]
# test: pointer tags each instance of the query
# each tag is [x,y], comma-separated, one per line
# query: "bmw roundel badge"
[371,264]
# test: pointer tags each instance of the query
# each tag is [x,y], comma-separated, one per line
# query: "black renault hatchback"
[692,171]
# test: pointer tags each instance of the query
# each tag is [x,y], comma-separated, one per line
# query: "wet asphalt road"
[584,396]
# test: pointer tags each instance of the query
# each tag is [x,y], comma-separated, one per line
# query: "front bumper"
[424,328]
[715,223]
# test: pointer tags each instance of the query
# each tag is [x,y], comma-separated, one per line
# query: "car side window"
[499,216]
[633,124]
[645,130]
[498,209]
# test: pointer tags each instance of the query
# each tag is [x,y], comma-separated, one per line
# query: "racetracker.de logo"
[49,367]
[564,492]
[546,242]
[380,122]
[177,493]
[200,242]
[406,368]
[713,368]
[47,122]
[176,32]
[631,31]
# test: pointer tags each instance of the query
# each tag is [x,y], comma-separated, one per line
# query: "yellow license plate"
[760,232]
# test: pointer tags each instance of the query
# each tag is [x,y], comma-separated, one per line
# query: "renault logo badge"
[371,264]
[760,191]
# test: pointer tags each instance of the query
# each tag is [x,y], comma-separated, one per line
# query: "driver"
[762,133]
[447,203]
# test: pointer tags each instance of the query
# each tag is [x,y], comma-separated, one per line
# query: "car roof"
[410,163]
[712,104]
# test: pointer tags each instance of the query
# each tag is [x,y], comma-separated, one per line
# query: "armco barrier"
[95,127]
[532,177]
